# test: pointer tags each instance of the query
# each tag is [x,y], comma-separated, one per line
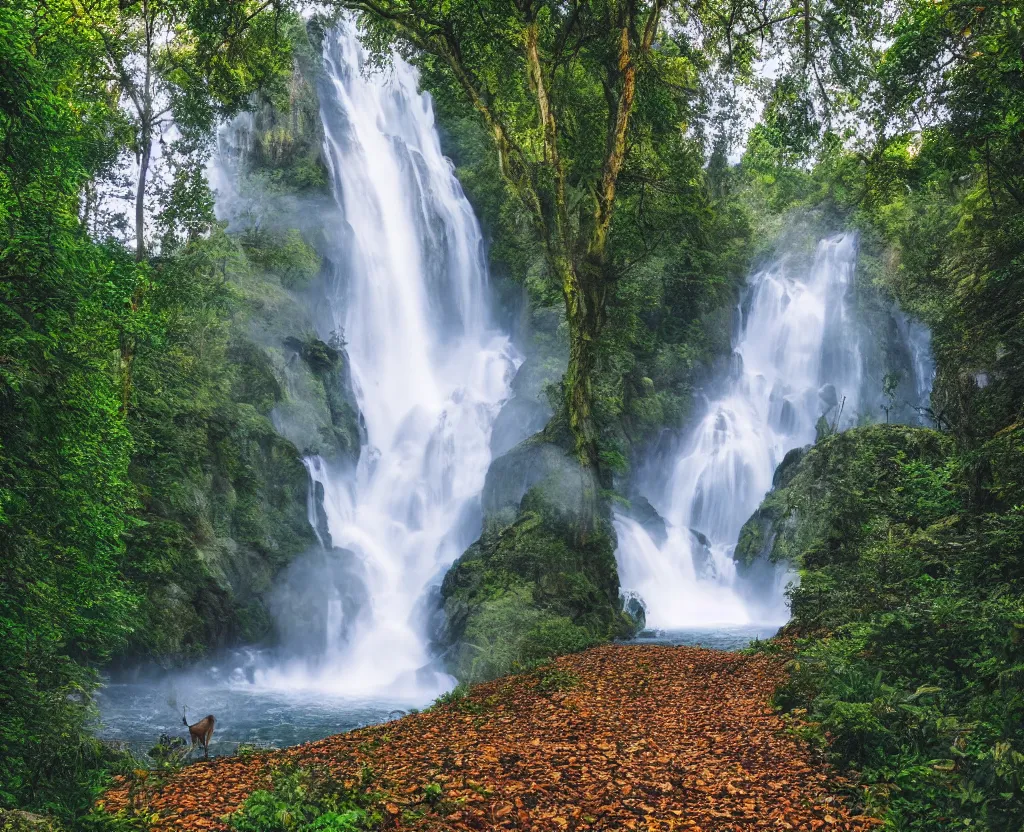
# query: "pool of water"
[714,638]
[137,706]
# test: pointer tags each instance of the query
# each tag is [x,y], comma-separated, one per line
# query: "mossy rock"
[287,131]
[321,357]
[531,587]
[319,414]
[254,382]
[519,417]
[824,498]
[283,253]
[223,492]
[639,508]
[209,547]
[555,477]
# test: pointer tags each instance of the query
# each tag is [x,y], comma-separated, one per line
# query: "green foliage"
[287,151]
[911,551]
[910,609]
[169,753]
[115,386]
[15,821]
[554,678]
[681,244]
[285,254]
[433,793]
[187,63]
[222,493]
[65,497]
[308,799]
[456,695]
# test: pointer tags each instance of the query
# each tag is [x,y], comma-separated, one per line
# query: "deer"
[201,731]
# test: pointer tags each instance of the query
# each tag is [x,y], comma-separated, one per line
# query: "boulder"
[641,510]
[557,480]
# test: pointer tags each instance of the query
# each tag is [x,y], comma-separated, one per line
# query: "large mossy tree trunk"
[584,310]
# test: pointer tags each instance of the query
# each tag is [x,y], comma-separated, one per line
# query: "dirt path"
[640,737]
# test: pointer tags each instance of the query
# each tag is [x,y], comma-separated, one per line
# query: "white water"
[796,356]
[430,373]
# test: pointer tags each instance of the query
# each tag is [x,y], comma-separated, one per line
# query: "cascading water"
[797,358]
[429,372]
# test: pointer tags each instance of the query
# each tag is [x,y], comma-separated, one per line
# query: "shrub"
[910,602]
[308,799]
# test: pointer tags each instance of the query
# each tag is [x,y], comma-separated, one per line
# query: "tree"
[69,303]
[65,499]
[180,63]
[557,86]
[184,63]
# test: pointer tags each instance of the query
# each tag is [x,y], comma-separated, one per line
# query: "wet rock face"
[519,418]
[529,409]
[561,484]
[641,510]
[637,612]
[788,467]
[319,413]
[231,512]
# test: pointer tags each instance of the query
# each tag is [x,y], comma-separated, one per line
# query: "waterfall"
[798,356]
[430,372]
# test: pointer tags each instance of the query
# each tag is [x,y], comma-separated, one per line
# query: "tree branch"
[618,126]
[548,126]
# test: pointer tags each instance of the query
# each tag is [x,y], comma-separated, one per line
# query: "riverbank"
[644,737]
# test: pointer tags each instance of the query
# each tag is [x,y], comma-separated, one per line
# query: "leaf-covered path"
[638,737]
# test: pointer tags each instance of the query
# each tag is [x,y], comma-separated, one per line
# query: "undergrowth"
[311,799]
[909,673]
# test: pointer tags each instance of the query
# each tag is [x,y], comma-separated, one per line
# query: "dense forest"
[163,374]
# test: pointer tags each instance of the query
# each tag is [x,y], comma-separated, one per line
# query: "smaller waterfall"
[797,358]
[918,340]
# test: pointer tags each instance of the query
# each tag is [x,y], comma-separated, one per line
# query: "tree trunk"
[128,339]
[584,325]
[140,195]
[578,389]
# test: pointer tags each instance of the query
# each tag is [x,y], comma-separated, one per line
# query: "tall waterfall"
[797,356]
[429,372]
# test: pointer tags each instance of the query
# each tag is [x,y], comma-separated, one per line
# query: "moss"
[238,391]
[332,426]
[17,821]
[254,382]
[287,132]
[755,538]
[284,253]
[825,498]
[211,540]
[509,632]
